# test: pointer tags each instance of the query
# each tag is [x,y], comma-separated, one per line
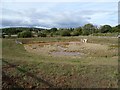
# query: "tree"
[41,34]
[76,31]
[46,31]
[116,28]
[105,29]
[65,33]
[86,32]
[88,29]
[51,34]
[71,29]
[53,29]
[79,29]
[9,35]
[3,36]
[25,34]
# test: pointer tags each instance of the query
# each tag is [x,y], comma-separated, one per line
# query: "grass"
[106,34]
[94,70]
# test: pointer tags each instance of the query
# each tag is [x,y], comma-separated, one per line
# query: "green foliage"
[57,32]
[116,29]
[53,29]
[77,31]
[86,32]
[105,34]
[46,31]
[88,29]
[96,30]
[9,35]
[106,28]
[3,36]
[13,30]
[65,33]
[51,34]
[41,34]
[25,34]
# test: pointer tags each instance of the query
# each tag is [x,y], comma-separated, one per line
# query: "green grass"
[106,34]
[91,71]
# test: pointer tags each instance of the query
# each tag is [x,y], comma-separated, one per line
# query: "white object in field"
[18,42]
[84,40]
[118,36]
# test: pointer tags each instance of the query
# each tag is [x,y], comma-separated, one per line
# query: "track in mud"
[9,81]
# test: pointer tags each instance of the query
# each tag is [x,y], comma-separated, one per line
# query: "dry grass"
[92,70]
[89,49]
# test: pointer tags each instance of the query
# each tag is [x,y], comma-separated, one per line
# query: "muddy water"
[62,53]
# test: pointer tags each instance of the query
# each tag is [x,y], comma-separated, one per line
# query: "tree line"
[87,29]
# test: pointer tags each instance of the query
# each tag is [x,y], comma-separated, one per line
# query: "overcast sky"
[58,14]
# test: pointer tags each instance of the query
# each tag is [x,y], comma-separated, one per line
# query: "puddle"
[62,53]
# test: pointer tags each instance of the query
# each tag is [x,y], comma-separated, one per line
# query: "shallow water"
[62,53]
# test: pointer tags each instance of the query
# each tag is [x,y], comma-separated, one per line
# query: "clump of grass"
[34,48]
[114,46]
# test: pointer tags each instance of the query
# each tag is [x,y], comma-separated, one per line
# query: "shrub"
[25,34]
[51,34]
[9,35]
[106,28]
[86,32]
[3,36]
[75,33]
[65,33]
[42,35]
[53,29]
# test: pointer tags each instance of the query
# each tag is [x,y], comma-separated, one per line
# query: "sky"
[60,14]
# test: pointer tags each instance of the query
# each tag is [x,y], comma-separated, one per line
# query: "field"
[60,62]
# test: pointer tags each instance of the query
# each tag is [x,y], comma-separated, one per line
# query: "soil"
[53,48]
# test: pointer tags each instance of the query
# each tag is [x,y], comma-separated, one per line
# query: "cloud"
[60,0]
[60,15]
[43,18]
[108,17]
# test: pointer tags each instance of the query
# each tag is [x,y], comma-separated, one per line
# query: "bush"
[105,34]
[65,33]
[9,35]
[106,28]
[53,29]
[51,34]
[42,35]
[3,36]
[25,34]
[75,33]
[86,32]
